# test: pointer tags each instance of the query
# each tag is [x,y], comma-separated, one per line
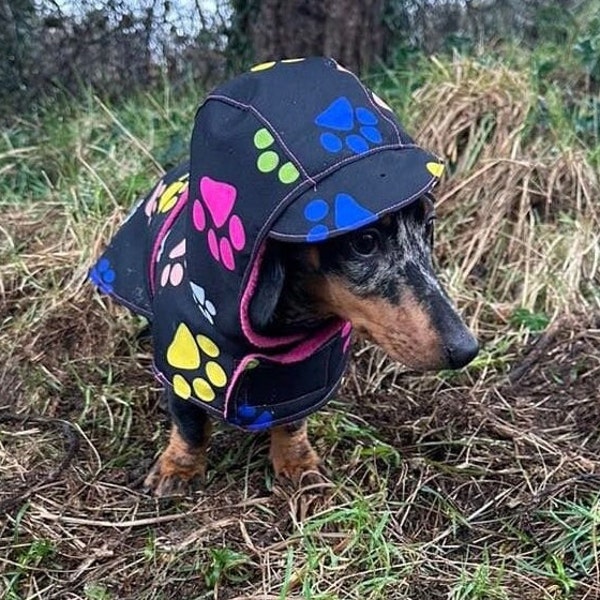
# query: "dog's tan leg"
[291,453]
[180,464]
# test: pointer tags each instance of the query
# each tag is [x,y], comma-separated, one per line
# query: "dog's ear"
[268,287]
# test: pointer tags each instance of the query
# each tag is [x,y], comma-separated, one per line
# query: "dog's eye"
[366,243]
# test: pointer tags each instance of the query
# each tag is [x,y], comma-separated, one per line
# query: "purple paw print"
[103,275]
[354,127]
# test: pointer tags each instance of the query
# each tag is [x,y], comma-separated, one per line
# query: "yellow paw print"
[436,169]
[172,193]
[269,65]
[164,197]
[188,353]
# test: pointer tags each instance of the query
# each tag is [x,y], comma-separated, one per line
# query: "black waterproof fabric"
[298,150]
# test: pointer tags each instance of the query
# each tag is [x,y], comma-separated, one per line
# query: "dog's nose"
[462,350]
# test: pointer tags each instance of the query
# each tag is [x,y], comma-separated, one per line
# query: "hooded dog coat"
[297,150]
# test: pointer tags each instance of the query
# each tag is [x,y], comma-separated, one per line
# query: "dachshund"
[380,278]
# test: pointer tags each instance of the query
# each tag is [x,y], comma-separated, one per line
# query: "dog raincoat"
[297,150]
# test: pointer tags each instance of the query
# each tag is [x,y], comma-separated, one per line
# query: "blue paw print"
[348,214]
[343,118]
[248,416]
[103,275]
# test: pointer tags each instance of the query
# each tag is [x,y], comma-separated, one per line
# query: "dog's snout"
[462,350]
[458,345]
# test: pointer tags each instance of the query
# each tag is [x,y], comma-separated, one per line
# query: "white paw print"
[207,308]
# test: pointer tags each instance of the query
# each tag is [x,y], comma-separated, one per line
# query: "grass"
[474,485]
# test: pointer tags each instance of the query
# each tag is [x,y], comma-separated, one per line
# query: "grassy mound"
[476,485]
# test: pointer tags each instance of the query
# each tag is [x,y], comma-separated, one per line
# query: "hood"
[296,150]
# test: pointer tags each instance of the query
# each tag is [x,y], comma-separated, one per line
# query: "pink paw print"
[227,233]
[173,272]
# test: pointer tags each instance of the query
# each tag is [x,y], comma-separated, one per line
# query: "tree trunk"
[351,31]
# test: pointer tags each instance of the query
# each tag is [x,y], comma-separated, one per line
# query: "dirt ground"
[431,476]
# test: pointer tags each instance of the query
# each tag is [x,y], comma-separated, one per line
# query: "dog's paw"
[293,458]
[306,491]
[304,477]
[298,473]
[308,482]
[174,477]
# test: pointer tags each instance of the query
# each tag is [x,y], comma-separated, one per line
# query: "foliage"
[530,320]
[118,47]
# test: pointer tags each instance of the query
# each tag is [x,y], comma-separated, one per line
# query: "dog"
[305,210]
[380,278]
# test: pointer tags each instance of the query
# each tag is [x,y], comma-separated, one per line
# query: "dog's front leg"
[183,461]
[292,455]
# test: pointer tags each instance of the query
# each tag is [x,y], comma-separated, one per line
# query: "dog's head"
[380,278]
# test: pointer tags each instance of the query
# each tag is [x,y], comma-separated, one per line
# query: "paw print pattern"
[269,65]
[268,160]
[248,416]
[206,307]
[436,169]
[173,271]
[161,248]
[218,198]
[188,353]
[344,119]
[165,197]
[252,418]
[151,204]
[103,276]
[348,214]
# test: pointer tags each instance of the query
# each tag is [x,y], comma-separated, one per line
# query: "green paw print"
[268,160]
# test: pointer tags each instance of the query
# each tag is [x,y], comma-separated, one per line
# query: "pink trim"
[299,352]
[256,338]
[166,226]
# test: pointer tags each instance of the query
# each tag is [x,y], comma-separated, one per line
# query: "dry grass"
[519,214]
[477,485]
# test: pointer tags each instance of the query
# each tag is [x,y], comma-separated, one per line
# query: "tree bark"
[351,31]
